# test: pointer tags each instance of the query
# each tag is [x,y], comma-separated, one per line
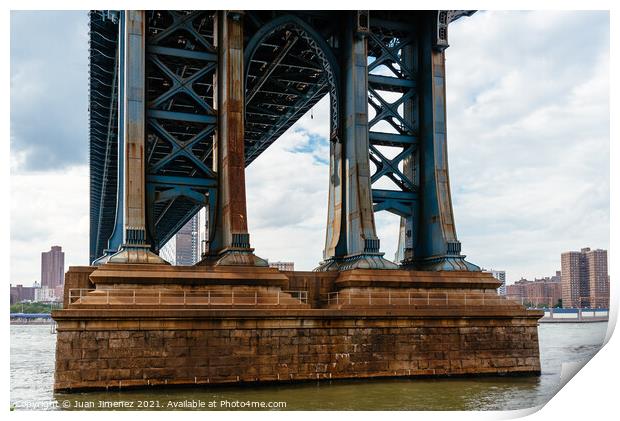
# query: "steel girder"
[181,62]
[394,128]
[289,67]
[103,127]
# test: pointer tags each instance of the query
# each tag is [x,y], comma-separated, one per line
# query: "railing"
[412,298]
[548,302]
[575,314]
[163,297]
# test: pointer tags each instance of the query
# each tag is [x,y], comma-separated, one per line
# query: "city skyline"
[514,209]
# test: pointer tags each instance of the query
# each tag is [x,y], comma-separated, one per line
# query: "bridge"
[181,102]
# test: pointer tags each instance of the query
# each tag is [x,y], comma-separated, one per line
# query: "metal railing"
[163,297]
[411,298]
[578,314]
[548,302]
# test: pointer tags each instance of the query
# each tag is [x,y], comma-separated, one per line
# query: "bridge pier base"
[151,325]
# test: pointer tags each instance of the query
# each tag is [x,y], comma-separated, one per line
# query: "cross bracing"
[291,60]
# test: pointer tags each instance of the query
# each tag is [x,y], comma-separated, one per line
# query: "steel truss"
[103,127]
[394,129]
[292,59]
[289,68]
[181,62]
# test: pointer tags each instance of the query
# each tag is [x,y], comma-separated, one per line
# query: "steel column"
[134,248]
[231,224]
[362,243]
[437,247]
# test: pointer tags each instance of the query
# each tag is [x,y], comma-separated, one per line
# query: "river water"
[32,372]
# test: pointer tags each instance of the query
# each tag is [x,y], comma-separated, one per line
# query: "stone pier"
[145,325]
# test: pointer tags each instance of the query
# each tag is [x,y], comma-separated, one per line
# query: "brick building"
[283,266]
[585,280]
[537,293]
[21,293]
[53,271]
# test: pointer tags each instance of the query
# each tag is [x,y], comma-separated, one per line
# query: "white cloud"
[287,193]
[528,103]
[48,208]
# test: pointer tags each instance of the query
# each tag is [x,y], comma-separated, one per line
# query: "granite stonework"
[416,324]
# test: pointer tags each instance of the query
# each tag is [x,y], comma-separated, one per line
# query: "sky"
[528,146]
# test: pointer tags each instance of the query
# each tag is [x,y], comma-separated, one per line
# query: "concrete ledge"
[116,274]
[421,313]
[361,278]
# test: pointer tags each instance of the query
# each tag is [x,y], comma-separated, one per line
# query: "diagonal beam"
[391,166]
[272,67]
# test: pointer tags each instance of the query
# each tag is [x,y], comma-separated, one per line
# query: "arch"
[320,47]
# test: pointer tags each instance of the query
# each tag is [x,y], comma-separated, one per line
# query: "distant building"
[184,248]
[500,275]
[46,295]
[585,280]
[283,266]
[598,278]
[188,243]
[545,292]
[168,252]
[53,271]
[21,293]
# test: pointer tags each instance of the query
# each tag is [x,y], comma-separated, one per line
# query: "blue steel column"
[362,243]
[437,247]
[134,248]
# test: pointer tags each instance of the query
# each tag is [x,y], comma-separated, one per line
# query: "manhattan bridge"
[181,102]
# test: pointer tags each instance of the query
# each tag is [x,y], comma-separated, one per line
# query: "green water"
[32,372]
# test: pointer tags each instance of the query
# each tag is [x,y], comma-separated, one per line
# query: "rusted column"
[134,248]
[362,244]
[231,225]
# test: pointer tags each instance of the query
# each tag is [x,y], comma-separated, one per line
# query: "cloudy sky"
[528,136]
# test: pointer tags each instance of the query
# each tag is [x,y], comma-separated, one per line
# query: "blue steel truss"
[393,118]
[103,128]
[181,62]
[291,64]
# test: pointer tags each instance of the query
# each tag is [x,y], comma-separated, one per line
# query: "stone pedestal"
[148,325]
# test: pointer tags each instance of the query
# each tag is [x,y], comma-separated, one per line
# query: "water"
[32,372]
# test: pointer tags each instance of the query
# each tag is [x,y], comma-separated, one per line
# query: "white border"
[590,394]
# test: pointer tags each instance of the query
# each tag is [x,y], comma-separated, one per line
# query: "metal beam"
[178,116]
[178,52]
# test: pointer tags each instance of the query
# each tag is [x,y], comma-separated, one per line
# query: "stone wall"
[317,284]
[77,277]
[110,349]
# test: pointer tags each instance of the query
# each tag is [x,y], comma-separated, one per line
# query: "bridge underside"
[291,60]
